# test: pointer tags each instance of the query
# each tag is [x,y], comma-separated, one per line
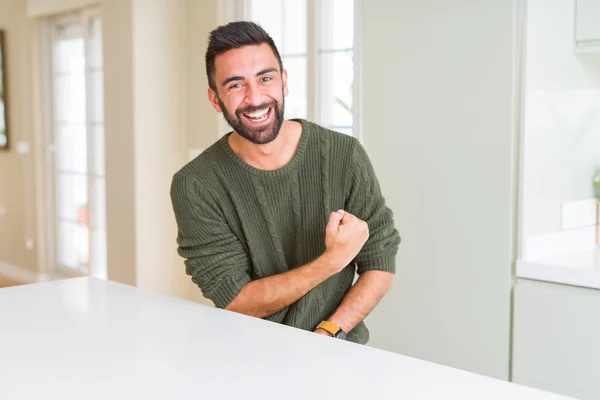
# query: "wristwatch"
[332,328]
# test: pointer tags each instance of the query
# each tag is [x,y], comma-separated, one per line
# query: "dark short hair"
[233,36]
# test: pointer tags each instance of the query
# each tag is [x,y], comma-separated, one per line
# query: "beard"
[262,135]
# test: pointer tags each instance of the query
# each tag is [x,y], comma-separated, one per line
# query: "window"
[76,145]
[318,44]
[336,62]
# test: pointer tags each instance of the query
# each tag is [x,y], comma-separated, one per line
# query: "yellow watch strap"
[329,327]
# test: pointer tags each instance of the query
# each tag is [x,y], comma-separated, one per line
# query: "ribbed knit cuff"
[384,263]
[360,334]
[228,289]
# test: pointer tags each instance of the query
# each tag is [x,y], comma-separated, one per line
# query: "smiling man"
[277,217]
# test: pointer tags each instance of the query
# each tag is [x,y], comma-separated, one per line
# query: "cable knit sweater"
[237,223]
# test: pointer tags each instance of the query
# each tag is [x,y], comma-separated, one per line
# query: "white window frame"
[235,10]
[47,204]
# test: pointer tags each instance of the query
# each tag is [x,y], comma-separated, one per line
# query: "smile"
[259,115]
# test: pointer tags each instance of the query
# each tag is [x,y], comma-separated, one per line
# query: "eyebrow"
[241,78]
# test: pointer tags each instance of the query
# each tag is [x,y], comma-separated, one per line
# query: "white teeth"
[258,115]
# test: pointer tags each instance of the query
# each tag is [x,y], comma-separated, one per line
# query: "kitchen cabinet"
[587,26]
[556,338]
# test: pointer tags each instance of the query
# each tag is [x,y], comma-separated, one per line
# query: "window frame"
[52,266]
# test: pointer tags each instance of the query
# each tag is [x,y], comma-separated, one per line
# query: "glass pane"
[69,49]
[269,13]
[96,96]
[295,27]
[72,197]
[69,98]
[99,167]
[79,106]
[99,268]
[71,148]
[295,102]
[73,247]
[99,203]
[337,24]
[95,44]
[336,81]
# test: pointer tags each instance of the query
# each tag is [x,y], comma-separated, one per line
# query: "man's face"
[250,92]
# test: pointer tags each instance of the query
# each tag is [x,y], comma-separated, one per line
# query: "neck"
[269,156]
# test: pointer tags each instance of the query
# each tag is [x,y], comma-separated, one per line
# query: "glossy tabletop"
[87,338]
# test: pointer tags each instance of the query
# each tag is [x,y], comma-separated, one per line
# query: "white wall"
[202,17]
[147,95]
[37,8]
[160,125]
[120,146]
[17,179]
[562,117]
[438,126]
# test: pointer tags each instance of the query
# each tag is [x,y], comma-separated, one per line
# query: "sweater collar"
[294,162]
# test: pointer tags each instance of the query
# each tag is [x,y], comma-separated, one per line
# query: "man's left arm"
[360,300]
[376,262]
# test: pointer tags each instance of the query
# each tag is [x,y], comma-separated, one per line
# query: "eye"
[266,79]
[235,86]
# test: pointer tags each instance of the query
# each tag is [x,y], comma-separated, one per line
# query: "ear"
[212,97]
[284,80]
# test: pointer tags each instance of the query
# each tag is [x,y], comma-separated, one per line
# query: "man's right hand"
[345,235]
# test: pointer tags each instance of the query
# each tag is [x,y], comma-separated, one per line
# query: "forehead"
[245,61]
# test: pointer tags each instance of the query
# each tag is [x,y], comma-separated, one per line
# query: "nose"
[253,94]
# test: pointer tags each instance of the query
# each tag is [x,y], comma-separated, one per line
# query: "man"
[277,216]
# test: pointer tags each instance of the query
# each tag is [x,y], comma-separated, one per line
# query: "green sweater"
[237,223]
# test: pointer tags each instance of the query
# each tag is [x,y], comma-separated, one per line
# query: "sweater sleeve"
[214,256]
[366,201]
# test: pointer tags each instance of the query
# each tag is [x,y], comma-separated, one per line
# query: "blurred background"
[481,117]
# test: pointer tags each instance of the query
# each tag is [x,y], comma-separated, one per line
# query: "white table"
[86,338]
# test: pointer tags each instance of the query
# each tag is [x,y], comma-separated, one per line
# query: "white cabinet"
[556,342]
[587,26]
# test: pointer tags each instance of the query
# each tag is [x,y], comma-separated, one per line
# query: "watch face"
[341,334]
